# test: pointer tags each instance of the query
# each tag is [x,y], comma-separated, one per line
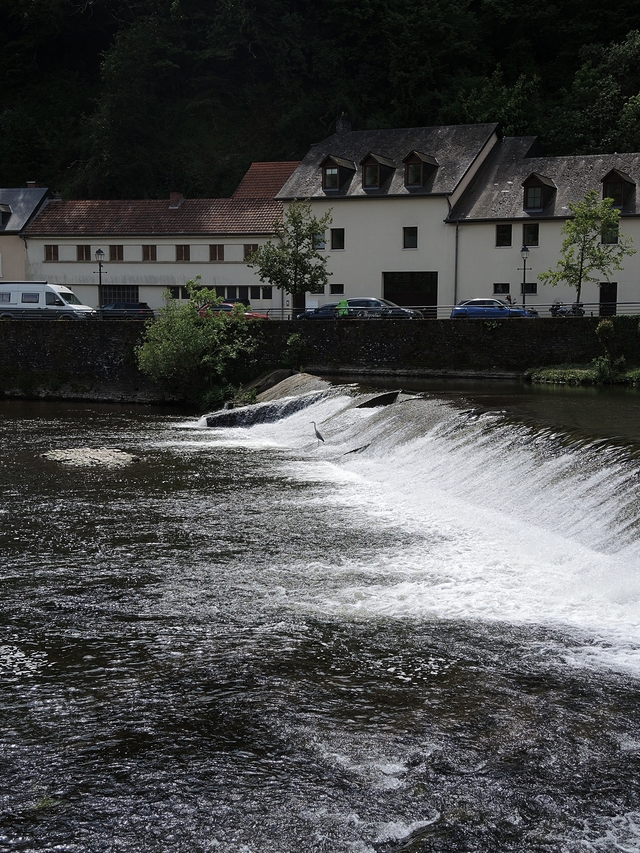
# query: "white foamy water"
[501,523]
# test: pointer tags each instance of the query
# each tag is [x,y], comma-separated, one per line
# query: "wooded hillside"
[134,98]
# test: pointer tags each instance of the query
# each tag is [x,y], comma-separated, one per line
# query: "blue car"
[494,309]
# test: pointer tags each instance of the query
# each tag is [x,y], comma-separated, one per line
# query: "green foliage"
[134,98]
[293,351]
[294,264]
[201,356]
[583,254]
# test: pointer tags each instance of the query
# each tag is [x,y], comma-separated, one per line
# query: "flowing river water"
[420,635]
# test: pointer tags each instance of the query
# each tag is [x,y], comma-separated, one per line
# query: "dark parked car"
[494,309]
[126,311]
[364,308]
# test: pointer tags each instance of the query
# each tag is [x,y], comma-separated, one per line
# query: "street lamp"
[524,254]
[99,259]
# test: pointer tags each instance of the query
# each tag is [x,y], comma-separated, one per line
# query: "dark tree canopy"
[134,98]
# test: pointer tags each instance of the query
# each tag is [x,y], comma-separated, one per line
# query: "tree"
[294,264]
[202,356]
[584,251]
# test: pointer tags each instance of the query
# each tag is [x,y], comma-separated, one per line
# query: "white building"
[151,246]
[431,216]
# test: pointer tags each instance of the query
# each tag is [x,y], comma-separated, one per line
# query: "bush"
[201,356]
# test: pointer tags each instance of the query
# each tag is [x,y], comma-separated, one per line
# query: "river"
[422,634]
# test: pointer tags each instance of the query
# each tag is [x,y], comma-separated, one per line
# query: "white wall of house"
[151,277]
[374,243]
[481,264]
[12,258]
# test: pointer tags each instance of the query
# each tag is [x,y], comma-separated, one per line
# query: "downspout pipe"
[455,257]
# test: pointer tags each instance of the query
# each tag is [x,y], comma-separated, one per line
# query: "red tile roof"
[265,180]
[146,218]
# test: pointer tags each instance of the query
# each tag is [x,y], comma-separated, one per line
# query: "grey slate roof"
[455,147]
[23,203]
[496,191]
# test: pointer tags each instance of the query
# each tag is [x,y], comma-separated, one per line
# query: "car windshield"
[389,303]
[69,297]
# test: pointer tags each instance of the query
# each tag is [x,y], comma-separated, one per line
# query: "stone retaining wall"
[97,360]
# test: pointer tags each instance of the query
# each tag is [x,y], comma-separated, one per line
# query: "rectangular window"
[610,235]
[51,253]
[31,298]
[503,235]
[149,253]
[232,293]
[337,238]
[319,242]
[249,249]
[5,297]
[119,293]
[413,174]
[530,287]
[371,176]
[615,192]
[255,293]
[336,288]
[410,238]
[216,252]
[220,291]
[330,178]
[174,292]
[267,293]
[116,253]
[501,287]
[183,253]
[318,289]
[83,253]
[243,294]
[184,293]
[531,234]
[533,198]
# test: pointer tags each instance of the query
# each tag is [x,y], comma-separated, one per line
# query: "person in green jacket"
[342,308]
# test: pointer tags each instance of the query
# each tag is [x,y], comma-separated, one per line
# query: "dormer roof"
[453,149]
[497,190]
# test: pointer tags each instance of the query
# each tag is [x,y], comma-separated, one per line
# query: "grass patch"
[601,371]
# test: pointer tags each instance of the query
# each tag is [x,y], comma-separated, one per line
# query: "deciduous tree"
[583,251]
[293,263]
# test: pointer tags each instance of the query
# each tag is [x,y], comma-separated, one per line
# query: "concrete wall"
[97,360]
[12,258]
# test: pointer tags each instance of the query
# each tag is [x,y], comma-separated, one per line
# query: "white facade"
[152,278]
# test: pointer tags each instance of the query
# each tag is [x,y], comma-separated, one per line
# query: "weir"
[422,634]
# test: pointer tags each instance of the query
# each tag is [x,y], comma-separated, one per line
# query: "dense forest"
[133,98]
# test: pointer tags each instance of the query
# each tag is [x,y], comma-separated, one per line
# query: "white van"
[39,300]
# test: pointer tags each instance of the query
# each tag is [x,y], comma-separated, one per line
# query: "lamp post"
[524,254]
[99,259]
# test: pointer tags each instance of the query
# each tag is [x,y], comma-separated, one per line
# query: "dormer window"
[336,172]
[614,191]
[618,186]
[538,192]
[533,198]
[5,215]
[371,176]
[376,170]
[418,168]
[330,178]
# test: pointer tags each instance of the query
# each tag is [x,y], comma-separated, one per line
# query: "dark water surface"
[248,642]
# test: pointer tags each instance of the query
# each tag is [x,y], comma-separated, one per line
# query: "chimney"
[343,125]
[175,200]
[32,185]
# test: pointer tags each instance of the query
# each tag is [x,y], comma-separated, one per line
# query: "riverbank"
[97,361]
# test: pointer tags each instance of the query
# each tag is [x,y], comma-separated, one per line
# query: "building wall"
[151,277]
[482,264]
[12,258]
[374,244]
